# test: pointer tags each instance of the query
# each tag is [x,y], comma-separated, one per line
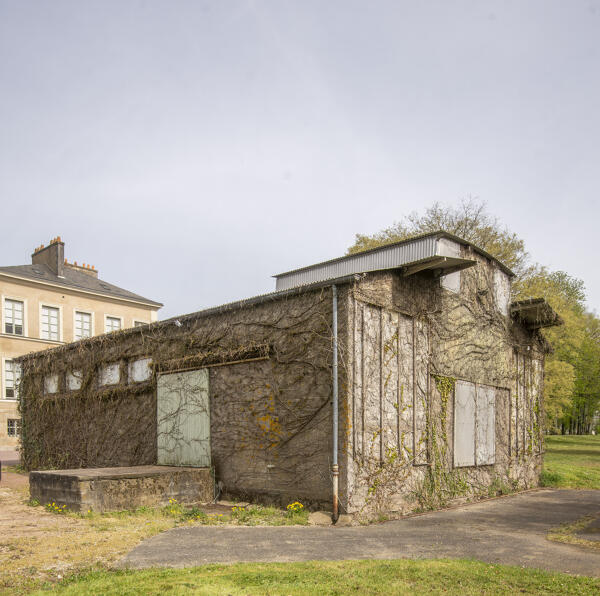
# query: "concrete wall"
[115,489]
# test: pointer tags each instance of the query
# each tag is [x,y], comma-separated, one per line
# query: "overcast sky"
[190,150]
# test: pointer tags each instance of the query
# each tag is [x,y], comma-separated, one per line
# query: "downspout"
[335,471]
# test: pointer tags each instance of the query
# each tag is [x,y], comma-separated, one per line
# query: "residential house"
[47,304]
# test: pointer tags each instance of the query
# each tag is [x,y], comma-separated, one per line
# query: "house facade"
[438,395]
[49,303]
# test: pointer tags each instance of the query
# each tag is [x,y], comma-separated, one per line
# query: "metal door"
[183,419]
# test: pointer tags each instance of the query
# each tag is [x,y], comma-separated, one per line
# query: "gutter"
[335,471]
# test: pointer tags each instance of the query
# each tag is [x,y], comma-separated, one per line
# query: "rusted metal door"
[183,419]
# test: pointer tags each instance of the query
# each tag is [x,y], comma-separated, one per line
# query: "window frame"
[21,299]
[82,311]
[3,397]
[59,308]
[121,319]
[137,323]
[17,427]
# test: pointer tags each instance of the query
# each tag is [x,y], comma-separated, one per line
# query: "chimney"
[52,255]
[85,268]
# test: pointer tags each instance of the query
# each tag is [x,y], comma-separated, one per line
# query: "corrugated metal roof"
[389,256]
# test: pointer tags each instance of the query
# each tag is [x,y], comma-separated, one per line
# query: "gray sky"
[190,150]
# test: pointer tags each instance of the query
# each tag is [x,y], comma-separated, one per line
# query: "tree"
[469,220]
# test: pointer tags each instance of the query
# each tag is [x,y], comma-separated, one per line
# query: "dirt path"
[511,530]
[18,520]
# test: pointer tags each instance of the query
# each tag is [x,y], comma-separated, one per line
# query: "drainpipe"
[335,472]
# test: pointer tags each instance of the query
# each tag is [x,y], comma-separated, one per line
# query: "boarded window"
[485,438]
[464,424]
[140,370]
[51,383]
[110,374]
[474,424]
[74,380]
[502,291]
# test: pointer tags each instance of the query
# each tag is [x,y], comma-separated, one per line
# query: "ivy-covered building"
[438,394]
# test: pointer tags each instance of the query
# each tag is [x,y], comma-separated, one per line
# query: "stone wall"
[412,341]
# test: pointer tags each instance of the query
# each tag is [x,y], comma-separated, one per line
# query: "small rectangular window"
[13,427]
[140,370]
[139,323]
[50,323]
[74,380]
[83,325]
[110,374]
[112,324]
[51,384]
[13,317]
[12,378]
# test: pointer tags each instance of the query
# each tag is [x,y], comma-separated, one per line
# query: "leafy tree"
[469,220]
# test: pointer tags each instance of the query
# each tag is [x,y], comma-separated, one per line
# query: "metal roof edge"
[438,234]
[214,310]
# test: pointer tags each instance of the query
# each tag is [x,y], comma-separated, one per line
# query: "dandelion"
[295,507]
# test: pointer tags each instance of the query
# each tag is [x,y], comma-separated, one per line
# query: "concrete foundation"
[114,489]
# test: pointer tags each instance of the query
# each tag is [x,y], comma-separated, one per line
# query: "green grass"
[461,577]
[574,533]
[572,462]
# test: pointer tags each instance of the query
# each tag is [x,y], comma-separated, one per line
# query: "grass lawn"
[333,577]
[572,461]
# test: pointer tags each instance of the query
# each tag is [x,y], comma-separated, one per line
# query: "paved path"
[511,530]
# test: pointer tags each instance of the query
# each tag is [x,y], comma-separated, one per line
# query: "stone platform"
[115,489]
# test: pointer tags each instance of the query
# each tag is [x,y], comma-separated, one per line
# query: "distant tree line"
[572,381]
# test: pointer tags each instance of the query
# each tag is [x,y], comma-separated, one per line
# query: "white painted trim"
[60,319]
[81,291]
[92,321]
[122,319]
[25,317]
[35,339]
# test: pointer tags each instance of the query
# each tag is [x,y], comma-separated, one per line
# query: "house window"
[474,424]
[83,325]
[13,317]
[50,322]
[12,377]
[112,324]
[13,427]
[139,323]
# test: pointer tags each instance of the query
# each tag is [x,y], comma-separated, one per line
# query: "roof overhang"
[73,288]
[535,313]
[438,265]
